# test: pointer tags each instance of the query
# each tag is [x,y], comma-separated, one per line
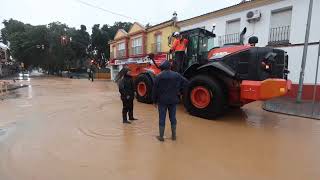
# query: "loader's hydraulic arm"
[151,56]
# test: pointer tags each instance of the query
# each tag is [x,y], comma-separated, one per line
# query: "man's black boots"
[161,132]
[131,116]
[174,135]
[124,118]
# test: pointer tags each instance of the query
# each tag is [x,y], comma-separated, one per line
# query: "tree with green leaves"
[101,36]
[56,47]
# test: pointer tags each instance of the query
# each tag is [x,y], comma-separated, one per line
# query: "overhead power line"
[105,10]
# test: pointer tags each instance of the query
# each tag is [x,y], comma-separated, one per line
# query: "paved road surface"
[67,129]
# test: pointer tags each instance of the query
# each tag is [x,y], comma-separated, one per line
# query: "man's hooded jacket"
[168,86]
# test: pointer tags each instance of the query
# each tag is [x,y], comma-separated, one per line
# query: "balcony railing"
[121,53]
[136,50]
[156,47]
[279,35]
[229,39]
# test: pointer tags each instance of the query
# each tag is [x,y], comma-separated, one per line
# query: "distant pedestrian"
[168,86]
[92,72]
[126,89]
[89,73]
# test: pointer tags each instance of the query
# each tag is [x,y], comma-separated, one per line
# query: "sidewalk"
[289,106]
[15,86]
[10,87]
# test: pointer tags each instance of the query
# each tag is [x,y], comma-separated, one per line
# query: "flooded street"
[67,129]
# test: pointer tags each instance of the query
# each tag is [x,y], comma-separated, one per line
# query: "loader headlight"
[266,66]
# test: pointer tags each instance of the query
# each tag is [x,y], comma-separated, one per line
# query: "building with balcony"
[277,23]
[127,47]
[118,47]
[134,46]
[137,41]
[3,58]
[158,37]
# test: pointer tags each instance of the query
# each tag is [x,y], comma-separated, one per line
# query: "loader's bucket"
[264,90]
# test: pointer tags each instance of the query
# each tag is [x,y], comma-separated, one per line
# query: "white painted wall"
[295,56]
[261,29]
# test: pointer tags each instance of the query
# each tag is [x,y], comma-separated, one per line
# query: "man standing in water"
[166,95]
[126,89]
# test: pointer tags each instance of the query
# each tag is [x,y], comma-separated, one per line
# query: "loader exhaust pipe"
[244,31]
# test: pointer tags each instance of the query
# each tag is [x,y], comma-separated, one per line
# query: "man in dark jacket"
[126,89]
[166,94]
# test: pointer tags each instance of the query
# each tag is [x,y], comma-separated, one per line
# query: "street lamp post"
[305,52]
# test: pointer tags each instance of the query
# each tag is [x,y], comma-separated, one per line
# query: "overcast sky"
[74,13]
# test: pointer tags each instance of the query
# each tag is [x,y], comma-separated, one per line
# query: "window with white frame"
[121,52]
[158,43]
[232,33]
[233,26]
[280,25]
[136,46]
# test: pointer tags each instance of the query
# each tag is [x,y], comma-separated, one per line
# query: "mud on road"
[71,130]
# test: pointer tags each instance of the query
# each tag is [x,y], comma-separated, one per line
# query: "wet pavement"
[289,106]
[70,129]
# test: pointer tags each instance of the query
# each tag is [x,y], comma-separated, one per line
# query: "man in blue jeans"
[166,92]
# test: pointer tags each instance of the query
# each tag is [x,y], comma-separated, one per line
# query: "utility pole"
[305,53]
[315,83]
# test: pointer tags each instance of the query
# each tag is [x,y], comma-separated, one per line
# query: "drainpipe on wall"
[305,53]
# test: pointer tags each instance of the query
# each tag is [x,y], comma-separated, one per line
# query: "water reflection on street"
[71,130]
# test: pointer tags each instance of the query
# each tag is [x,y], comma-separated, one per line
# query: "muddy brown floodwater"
[64,129]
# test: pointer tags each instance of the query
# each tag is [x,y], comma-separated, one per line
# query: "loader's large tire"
[143,85]
[205,98]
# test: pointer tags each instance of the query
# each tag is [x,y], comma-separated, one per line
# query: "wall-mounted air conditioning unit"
[253,16]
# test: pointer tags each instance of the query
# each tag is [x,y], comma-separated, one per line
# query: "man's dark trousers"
[179,61]
[127,109]
[163,112]
[92,76]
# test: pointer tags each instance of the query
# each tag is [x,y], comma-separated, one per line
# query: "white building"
[3,49]
[278,23]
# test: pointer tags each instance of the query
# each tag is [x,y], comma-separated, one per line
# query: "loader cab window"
[206,44]
[203,44]
[192,49]
[193,45]
[203,49]
[198,45]
[206,41]
[200,42]
[210,43]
